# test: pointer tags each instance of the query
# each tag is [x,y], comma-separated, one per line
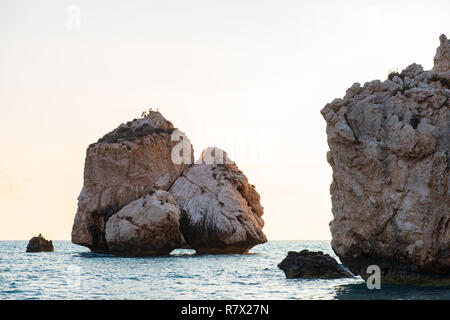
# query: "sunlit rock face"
[124,165]
[145,227]
[220,210]
[390,154]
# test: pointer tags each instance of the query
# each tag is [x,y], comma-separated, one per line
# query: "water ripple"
[72,272]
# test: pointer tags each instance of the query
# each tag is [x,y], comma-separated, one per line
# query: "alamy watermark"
[73,21]
[257,148]
[374,280]
[182,152]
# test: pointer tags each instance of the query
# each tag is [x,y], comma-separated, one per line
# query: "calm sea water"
[73,272]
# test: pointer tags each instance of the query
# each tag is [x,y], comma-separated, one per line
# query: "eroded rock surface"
[124,165]
[145,227]
[220,210]
[390,153]
[442,57]
[312,265]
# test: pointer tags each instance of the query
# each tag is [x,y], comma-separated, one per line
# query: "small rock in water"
[312,265]
[40,244]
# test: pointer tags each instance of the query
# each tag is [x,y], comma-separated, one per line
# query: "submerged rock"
[147,226]
[220,210]
[40,244]
[390,154]
[124,165]
[312,265]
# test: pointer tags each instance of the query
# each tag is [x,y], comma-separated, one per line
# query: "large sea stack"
[138,200]
[123,166]
[390,153]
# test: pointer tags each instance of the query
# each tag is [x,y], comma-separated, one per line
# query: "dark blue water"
[72,272]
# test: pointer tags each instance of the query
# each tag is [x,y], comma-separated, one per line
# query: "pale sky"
[248,76]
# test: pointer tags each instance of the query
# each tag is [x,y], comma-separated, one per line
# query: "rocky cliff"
[390,154]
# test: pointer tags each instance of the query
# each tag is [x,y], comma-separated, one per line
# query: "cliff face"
[124,165]
[390,154]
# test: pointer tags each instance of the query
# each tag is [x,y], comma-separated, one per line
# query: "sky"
[248,76]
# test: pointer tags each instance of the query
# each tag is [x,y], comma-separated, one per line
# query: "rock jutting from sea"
[312,265]
[40,244]
[220,210]
[390,154]
[123,166]
[138,199]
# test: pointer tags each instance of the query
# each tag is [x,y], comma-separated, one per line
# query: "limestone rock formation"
[124,208]
[147,226]
[312,265]
[124,165]
[442,57]
[40,244]
[220,210]
[390,154]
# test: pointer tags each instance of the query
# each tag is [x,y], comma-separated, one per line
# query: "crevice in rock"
[351,128]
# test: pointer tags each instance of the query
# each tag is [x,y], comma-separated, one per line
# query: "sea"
[73,272]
